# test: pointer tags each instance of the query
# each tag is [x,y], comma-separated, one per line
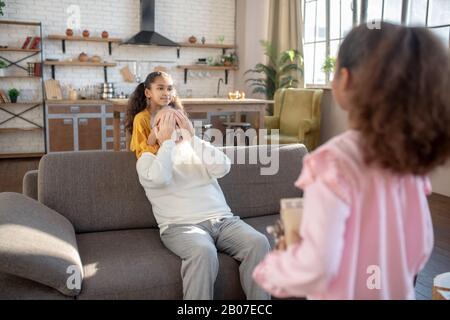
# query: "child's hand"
[152,138]
[185,125]
[166,128]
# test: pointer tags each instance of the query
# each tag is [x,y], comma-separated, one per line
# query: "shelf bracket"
[185,75]
[226,76]
[53,72]
[110,47]
[63,44]
[178,52]
[105,71]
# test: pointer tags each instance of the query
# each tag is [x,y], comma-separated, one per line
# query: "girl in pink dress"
[366,229]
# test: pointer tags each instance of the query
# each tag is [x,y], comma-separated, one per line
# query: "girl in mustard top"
[155,93]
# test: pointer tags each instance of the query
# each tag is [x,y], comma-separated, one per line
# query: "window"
[327,22]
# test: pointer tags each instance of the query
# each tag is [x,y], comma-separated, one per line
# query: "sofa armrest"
[29,184]
[38,244]
[271,122]
[306,126]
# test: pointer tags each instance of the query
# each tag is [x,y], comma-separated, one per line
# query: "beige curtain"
[286,27]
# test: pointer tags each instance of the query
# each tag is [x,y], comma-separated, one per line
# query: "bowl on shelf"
[95,59]
[83,57]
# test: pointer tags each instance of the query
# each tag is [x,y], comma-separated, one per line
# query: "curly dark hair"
[400,100]
[138,100]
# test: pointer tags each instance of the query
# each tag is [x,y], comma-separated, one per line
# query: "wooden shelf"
[21,155]
[64,38]
[206,67]
[79,38]
[224,47]
[207,46]
[19,50]
[79,64]
[21,104]
[20,77]
[105,65]
[8,130]
[21,23]
[27,105]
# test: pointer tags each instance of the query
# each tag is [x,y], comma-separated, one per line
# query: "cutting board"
[127,75]
[53,90]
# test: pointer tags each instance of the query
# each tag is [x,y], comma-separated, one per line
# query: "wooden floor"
[440,258]
[13,170]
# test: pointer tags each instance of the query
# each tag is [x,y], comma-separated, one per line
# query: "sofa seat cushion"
[135,264]
[261,224]
[17,288]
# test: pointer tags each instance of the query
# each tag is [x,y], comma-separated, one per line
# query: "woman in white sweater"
[194,219]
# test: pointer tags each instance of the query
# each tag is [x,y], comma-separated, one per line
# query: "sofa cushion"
[17,288]
[96,191]
[251,194]
[261,224]
[135,264]
[37,243]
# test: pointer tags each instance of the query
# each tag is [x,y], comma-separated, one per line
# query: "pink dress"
[366,232]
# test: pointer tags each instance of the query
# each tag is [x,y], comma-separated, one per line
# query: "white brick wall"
[175,19]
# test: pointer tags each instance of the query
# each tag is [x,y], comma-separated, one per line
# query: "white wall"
[440,180]
[176,19]
[334,119]
[252,19]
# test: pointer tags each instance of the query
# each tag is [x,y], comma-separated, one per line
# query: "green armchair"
[296,116]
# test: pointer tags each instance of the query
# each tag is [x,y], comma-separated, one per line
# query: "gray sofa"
[91,207]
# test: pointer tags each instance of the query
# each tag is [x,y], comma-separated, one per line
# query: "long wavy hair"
[139,102]
[400,96]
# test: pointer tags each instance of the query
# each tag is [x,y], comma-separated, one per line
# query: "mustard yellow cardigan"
[141,131]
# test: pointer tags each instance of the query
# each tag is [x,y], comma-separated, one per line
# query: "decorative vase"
[69,32]
[105,34]
[13,99]
[192,39]
[86,33]
[83,57]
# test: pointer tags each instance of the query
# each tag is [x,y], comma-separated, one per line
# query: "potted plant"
[3,66]
[278,72]
[328,67]
[13,94]
[229,59]
[2,4]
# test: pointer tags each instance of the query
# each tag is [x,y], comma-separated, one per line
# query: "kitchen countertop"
[205,101]
[77,102]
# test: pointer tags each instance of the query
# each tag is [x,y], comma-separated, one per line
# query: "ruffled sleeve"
[141,131]
[326,165]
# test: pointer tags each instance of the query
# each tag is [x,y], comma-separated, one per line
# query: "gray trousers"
[197,246]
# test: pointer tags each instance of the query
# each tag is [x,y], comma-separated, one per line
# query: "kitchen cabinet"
[89,134]
[60,135]
[81,125]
